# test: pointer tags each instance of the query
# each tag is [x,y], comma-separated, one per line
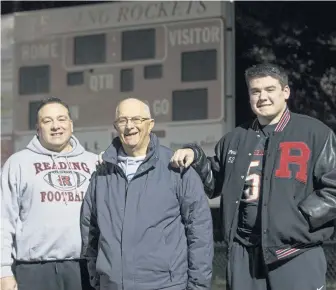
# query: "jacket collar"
[281,125]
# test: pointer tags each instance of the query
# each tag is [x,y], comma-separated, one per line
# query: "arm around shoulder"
[210,169]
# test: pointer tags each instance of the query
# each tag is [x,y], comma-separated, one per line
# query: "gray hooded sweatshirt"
[41,197]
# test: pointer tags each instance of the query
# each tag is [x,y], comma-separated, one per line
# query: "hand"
[182,158]
[8,283]
[100,158]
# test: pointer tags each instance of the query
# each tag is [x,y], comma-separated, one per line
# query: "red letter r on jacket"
[286,158]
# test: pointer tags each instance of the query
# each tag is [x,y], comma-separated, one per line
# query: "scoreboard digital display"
[177,67]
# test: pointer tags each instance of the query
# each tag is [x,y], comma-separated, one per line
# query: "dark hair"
[267,70]
[51,100]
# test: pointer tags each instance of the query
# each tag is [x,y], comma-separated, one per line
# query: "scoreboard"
[175,55]
[176,66]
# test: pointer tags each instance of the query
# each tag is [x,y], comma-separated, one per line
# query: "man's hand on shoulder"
[182,158]
[8,283]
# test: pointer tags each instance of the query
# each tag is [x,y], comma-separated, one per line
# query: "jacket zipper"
[127,183]
[126,189]
[122,229]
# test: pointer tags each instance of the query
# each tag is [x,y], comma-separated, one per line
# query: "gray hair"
[145,104]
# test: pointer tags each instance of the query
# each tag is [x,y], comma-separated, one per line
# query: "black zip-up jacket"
[151,232]
[298,192]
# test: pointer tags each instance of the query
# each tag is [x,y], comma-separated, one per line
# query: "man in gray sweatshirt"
[42,189]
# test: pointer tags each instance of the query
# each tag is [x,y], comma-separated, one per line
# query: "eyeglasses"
[121,122]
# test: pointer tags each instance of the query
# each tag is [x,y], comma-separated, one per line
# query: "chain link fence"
[220,260]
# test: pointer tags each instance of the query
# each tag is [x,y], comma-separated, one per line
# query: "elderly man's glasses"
[122,122]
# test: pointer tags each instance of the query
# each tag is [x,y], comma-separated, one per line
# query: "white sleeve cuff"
[6,271]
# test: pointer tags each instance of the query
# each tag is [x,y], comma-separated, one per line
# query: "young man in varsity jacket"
[277,180]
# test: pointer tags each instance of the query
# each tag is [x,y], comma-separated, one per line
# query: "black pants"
[246,271]
[56,275]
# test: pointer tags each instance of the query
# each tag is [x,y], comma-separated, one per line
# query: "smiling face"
[268,99]
[134,124]
[54,127]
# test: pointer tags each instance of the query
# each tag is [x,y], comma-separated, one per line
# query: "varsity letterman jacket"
[298,190]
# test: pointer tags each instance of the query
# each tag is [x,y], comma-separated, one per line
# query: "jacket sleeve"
[197,219]
[90,231]
[10,200]
[210,169]
[320,206]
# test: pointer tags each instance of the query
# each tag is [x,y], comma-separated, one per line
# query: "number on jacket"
[254,180]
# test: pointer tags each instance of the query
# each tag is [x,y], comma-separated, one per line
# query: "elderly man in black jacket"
[277,180]
[145,225]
